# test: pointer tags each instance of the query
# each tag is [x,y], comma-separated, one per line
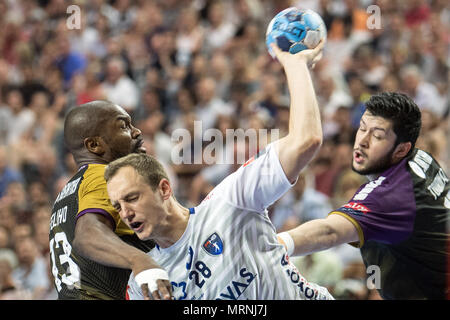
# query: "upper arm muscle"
[344,229]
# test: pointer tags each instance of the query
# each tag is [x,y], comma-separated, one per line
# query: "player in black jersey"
[92,251]
[398,219]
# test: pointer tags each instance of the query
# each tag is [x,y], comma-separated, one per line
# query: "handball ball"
[295,30]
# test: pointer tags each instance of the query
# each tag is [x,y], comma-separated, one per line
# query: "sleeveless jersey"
[229,249]
[402,218]
[77,277]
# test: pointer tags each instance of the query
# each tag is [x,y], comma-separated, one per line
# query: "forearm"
[321,234]
[313,236]
[305,132]
[95,240]
[304,117]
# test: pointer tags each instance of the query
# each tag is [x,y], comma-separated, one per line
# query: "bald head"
[87,120]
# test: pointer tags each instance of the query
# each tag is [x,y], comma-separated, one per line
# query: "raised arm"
[298,147]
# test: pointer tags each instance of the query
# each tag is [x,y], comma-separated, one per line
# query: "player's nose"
[126,213]
[135,133]
[363,140]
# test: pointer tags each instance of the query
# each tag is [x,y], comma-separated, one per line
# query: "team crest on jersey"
[213,245]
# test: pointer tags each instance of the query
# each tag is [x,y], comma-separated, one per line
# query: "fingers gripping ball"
[295,30]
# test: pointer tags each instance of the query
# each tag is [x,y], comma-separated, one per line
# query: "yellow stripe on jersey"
[93,197]
[357,226]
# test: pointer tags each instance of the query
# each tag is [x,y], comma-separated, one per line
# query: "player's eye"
[124,125]
[131,198]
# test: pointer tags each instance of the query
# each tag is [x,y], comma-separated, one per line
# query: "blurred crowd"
[172,62]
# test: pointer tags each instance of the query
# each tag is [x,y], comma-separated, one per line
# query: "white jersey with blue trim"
[229,250]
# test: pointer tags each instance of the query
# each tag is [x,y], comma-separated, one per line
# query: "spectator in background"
[269,95]
[332,97]
[87,86]
[118,87]
[432,138]
[417,13]
[68,61]
[190,35]
[7,219]
[88,39]
[184,104]
[9,288]
[153,134]
[5,241]
[424,93]
[302,203]
[218,28]
[8,174]
[15,200]
[15,117]
[209,104]
[46,123]
[31,273]
[150,102]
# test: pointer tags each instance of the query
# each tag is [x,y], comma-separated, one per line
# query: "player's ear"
[94,145]
[402,150]
[165,189]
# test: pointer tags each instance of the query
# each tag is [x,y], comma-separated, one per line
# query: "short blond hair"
[145,165]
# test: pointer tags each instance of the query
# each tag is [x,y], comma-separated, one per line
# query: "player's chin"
[143,234]
[144,238]
[358,168]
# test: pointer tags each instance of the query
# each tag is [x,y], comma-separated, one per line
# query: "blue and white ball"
[295,30]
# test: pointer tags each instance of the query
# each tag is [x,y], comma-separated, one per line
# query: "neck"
[82,160]
[174,226]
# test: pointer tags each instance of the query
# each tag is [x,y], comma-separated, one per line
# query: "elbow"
[315,142]
[331,236]
[309,145]
[81,244]
[78,244]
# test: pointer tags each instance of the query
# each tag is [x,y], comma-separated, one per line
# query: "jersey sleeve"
[257,183]
[93,198]
[381,210]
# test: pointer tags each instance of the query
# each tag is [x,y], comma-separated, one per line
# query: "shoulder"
[93,177]
[429,178]
[392,190]
[419,163]
[95,172]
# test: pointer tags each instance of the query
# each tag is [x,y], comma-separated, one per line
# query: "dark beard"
[379,167]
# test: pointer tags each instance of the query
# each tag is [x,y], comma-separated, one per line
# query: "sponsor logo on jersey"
[356,208]
[213,245]
[237,287]
[260,153]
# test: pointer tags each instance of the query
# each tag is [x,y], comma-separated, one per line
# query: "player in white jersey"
[226,248]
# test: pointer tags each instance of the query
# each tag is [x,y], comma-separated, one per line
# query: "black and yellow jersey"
[77,277]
